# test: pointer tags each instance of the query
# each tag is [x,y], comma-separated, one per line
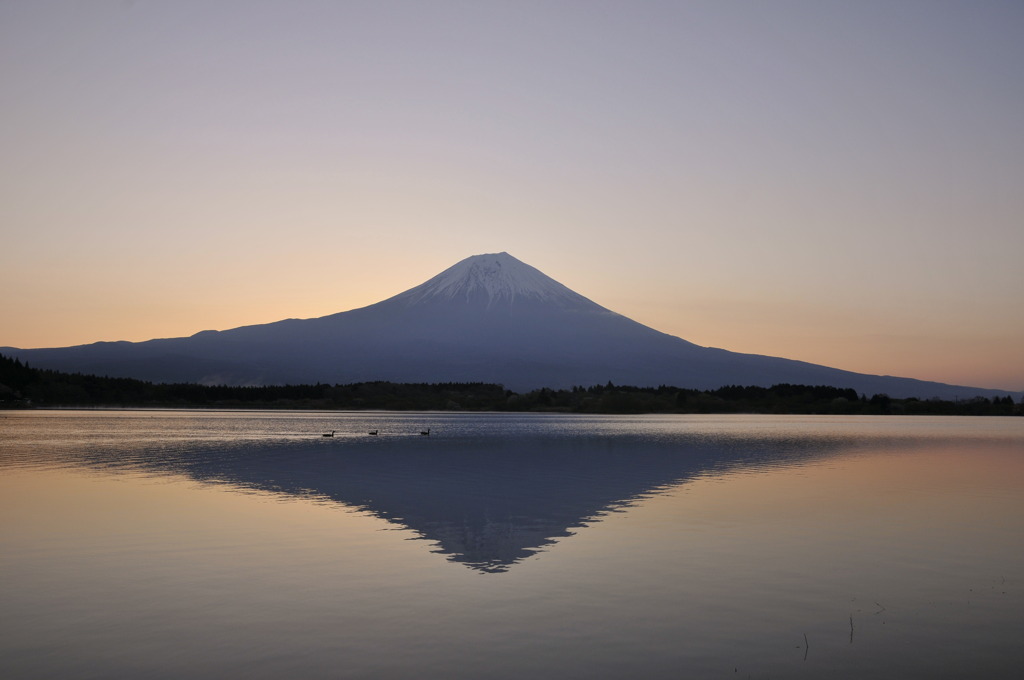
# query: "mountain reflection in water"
[206,544]
[487,502]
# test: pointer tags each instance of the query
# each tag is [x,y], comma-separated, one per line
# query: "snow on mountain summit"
[494,278]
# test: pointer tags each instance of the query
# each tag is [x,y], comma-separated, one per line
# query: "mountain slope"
[488,318]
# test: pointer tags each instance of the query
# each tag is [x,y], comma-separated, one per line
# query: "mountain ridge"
[488,318]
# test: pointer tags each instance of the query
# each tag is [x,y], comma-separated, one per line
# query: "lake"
[214,544]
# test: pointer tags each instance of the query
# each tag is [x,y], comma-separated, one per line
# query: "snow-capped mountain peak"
[492,279]
[488,318]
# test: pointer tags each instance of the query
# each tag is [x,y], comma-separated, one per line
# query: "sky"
[835,182]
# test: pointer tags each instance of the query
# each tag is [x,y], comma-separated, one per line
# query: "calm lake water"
[172,544]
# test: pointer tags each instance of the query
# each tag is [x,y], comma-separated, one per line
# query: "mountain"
[489,318]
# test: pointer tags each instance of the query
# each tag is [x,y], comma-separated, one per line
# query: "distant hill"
[490,319]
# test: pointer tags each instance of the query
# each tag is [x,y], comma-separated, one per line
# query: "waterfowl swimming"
[330,434]
[426,432]
[372,432]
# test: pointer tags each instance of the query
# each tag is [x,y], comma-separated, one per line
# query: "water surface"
[245,544]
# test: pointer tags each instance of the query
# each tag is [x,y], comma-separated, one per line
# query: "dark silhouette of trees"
[24,387]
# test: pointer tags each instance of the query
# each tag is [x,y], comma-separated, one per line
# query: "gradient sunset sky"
[836,182]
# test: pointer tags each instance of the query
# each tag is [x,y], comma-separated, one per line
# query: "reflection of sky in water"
[597,547]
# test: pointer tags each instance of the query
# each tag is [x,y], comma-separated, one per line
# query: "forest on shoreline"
[22,386]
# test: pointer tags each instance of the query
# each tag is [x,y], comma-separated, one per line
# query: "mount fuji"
[489,318]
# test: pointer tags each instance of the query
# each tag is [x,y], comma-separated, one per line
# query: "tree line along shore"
[22,386]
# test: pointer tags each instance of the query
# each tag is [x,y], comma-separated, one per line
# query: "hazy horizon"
[831,182]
